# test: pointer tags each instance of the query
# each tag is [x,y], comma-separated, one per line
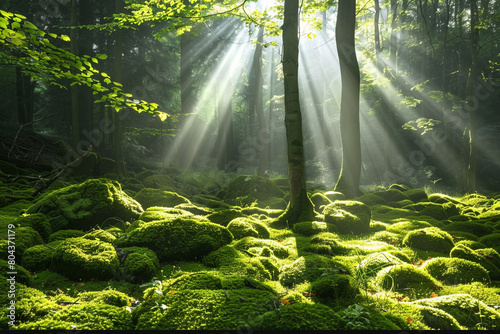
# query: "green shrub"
[350,217]
[312,228]
[429,239]
[178,239]
[248,227]
[327,244]
[453,271]
[273,203]
[79,258]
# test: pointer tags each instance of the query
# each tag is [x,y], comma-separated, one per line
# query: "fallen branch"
[62,171]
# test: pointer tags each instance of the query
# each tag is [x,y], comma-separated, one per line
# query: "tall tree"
[300,207]
[349,178]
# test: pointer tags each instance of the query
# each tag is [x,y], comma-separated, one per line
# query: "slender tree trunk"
[348,182]
[376,21]
[225,136]
[186,75]
[300,207]
[117,74]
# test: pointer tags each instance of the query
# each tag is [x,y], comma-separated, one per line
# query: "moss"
[471,244]
[179,239]
[85,205]
[491,254]
[406,226]
[298,316]
[370,199]
[109,297]
[34,308]
[38,222]
[474,228]
[79,258]
[248,227]
[391,195]
[273,203]
[37,258]
[350,217]
[442,198]
[334,196]
[489,295]
[429,239]
[468,311]
[319,200]
[101,235]
[405,276]
[464,252]
[339,289]
[65,234]
[435,211]
[387,214]
[88,316]
[25,237]
[459,236]
[158,181]
[139,267]
[452,271]
[312,228]
[375,262]
[196,281]
[246,189]
[161,213]
[196,210]
[202,309]
[390,238]
[23,276]
[154,197]
[326,244]
[224,217]
[378,226]
[492,240]
[255,246]
[416,195]
[308,268]
[210,201]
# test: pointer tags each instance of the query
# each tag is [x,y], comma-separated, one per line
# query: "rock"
[454,271]
[246,189]
[312,228]
[429,239]
[405,276]
[154,197]
[319,200]
[85,205]
[248,227]
[350,217]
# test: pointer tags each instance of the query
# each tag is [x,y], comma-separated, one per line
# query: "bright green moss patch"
[224,217]
[492,240]
[196,281]
[464,252]
[312,228]
[82,206]
[246,189]
[320,201]
[477,229]
[405,226]
[390,238]
[109,297]
[248,227]
[38,257]
[405,276]
[452,271]
[471,244]
[36,221]
[430,239]
[255,246]
[375,262]
[101,235]
[335,289]
[65,234]
[79,258]
[154,197]
[370,199]
[350,217]
[391,195]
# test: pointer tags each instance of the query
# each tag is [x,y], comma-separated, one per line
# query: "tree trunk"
[300,207]
[117,75]
[75,122]
[348,182]
[186,75]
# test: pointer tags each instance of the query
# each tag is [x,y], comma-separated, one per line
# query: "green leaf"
[65,38]
[101,56]
[107,81]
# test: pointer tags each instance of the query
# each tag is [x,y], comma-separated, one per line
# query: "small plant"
[356,317]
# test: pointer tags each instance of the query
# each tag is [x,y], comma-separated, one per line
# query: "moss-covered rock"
[178,239]
[416,195]
[157,181]
[391,195]
[23,276]
[468,311]
[36,221]
[33,308]
[442,198]
[196,281]
[248,227]
[312,228]
[88,316]
[429,239]
[101,235]
[341,289]
[140,264]
[25,237]
[478,229]
[273,203]
[224,217]
[246,189]
[326,244]
[85,205]
[471,244]
[464,252]
[452,271]
[149,197]
[210,201]
[298,316]
[405,226]
[309,268]
[334,196]
[256,246]
[350,217]
[196,210]
[108,296]
[320,200]
[79,258]
[492,240]
[375,262]
[65,234]
[405,276]
[39,257]
[370,199]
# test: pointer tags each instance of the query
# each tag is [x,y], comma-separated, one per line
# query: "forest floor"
[173,250]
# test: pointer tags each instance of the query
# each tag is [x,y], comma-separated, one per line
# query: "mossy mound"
[435,210]
[452,271]
[108,296]
[312,228]
[429,239]
[101,235]
[65,234]
[155,197]
[339,289]
[468,311]
[370,199]
[478,229]
[403,227]
[23,276]
[79,258]
[298,316]
[375,262]
[273,203]
[390,238]
[25,237]
[159,213]
[464,252]
[85,205]
[327,244]
[471,244]
[140,264]
[196,281]
[405,276]
[386,213]
[178,239]
[246,189]
[350,217]
[256,246]
[210,201]
[416,195]
[309,268]
[442,198]
[391,195]
[248,227]
[38,257]
[38,222]
[201,309]
[319,200]
[88,316]
[334,196]
[224,217]
[492,240]
[34,308]
[196,210]
[159,181]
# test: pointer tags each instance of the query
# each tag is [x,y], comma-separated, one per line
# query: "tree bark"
[300,207]
[349,178]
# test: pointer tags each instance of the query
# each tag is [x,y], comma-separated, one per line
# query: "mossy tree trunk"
[348,182]
[300,207]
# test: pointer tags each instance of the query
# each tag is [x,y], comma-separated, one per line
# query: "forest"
[247,165]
